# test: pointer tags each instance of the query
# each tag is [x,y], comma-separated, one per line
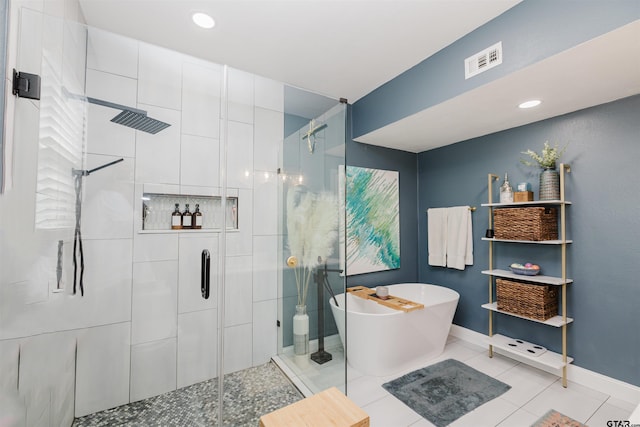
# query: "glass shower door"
[310,251]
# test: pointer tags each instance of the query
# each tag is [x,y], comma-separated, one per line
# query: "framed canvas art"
[372,206]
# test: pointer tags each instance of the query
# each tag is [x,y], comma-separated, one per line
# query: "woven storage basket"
[534,223]
[538,302]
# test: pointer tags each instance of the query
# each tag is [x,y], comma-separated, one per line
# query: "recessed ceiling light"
[530,104]
[203,20]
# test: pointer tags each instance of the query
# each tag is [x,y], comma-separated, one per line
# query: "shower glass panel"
[159,308]
[83,186]
[309,255]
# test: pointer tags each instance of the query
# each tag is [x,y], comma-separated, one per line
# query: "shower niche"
[157,210]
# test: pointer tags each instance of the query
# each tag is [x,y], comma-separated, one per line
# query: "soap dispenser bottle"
[506,191]
[196,220]
[186,217]
[176,218]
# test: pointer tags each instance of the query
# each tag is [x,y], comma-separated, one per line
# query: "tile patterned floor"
[248,395]
[533,392]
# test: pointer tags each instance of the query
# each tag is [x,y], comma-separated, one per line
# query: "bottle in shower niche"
[196,218]
[186,217]
[176,218]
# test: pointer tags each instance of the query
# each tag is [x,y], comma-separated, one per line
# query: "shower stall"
[104,298]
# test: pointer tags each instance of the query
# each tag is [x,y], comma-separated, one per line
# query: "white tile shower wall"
[269,94]
[265,268]
[269,134]
[201,83]
[197,155]
[241,242]
[160,77]
[153,368]
[265,203]
[112,53]
[104,136]
[155,247]
[9,358]
[237,347]
[155,301]
[240,155]
[46,377]
[238,291]
[197,347]
[110,371]
[265,331]
[158,156]
[107,284]
[108,199]
[102,376]
[241,96]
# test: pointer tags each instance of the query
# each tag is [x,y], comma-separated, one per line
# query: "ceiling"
[347,48]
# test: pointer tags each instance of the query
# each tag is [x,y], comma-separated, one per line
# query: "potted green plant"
[549,177]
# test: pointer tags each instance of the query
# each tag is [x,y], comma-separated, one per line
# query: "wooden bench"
[329,408]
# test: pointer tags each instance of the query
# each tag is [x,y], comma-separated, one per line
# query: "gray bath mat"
[445,391]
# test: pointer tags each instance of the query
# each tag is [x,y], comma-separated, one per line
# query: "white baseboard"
[611,386]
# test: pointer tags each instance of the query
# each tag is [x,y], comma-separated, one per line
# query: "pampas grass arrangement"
[312,228]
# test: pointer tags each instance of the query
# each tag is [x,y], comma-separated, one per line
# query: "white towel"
[459,237]
[437,236]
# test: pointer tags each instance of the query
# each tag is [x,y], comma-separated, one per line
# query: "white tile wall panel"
[240,155]
[238,291]
[155,301]
[241,96]
[104,136]
[112,53]
[265,338]
[265,203]
[237,348]
[155,247]
[240,242]
[158,156]
[46,375]
[153,368]
[197,347]
[160,77]
[265,268]
[103,366]
[9,359]
[269,94]
[107,287]
[269,134]
[108,199]
[201,88]
[199,161]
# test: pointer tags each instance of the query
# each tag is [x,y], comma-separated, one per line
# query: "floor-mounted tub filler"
[384,341]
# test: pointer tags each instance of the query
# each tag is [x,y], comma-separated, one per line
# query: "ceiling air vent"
[482,61]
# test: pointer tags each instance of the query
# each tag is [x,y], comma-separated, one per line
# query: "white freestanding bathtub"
[382,341]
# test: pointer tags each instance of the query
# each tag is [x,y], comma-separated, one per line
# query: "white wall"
[141,328]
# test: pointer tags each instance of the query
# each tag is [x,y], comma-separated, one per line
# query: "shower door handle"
[205,267]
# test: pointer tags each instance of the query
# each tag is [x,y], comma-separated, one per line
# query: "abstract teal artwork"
[372,220]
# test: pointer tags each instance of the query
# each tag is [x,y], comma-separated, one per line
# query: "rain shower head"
[132,117]
[138,121]
[129,116]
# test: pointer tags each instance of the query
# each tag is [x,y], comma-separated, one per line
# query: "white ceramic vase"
[301,331]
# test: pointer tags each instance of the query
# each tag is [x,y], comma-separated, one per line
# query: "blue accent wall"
[603,222]
[369,156]
[530,31]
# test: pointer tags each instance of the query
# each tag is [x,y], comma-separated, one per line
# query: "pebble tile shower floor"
[248,395]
